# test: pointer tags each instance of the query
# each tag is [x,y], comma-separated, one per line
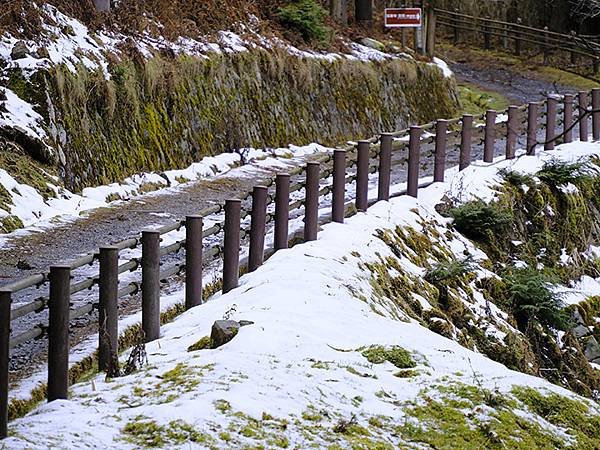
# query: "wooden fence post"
[258,222]
[582,114]
[456,30]
[338,195]
[231,245]
[596,66]
[550,123]
[486,38]
[58,333]
[431,25]
[385,166]
[568,117]
[573,55]
[282,213]
[193,261]
[517,38]
[465,142]
[546,47]
[362,175]
[532,117]
[489,140]
[439,164]
[311,202]
[512,131]
[596,114]
[108,310]
[151,284]
[414,155]
[5,303]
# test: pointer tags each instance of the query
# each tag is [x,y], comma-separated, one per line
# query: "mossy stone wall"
[168,112]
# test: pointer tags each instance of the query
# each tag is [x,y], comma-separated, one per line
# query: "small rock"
[592,349]
[577,317]
[245,323]
[42,52]
[443,208]
[372,43]
[580,331]
[19,51]
[23,265]
[223,331]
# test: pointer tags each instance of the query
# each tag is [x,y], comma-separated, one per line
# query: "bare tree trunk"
[363,11]
[339,11]
[102,5]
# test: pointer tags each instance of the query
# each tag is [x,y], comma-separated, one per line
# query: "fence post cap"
[4,290]
[282,175]
[108,247]
[364,142]
[312,163]
[61,266]
[194,217]
[149,231]
[339,151]
[233,200]
[259,188]
[387,134]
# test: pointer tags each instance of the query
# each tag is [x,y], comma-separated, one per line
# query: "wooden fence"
[438,144]
[577,53]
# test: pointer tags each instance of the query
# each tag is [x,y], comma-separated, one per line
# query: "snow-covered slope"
[324,365]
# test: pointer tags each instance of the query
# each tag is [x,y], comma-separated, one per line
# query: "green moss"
[312,416]
[377,354]
[475,100]
[148,433]
[447,422]
[406,373]
[225,436]
[9,224]
[565,412]
[222,406]
[320,365]
[202,344]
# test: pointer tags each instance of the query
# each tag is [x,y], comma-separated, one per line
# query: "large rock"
[592,349]
[577,317]
[372,43]
[223,331]
[19,51]
[580,331]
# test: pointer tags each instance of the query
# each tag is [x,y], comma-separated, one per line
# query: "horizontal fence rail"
[219,231]
[576,53]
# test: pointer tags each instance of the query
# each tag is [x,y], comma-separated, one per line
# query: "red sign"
[403,17]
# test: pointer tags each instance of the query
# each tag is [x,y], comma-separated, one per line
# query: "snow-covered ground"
[295,375]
